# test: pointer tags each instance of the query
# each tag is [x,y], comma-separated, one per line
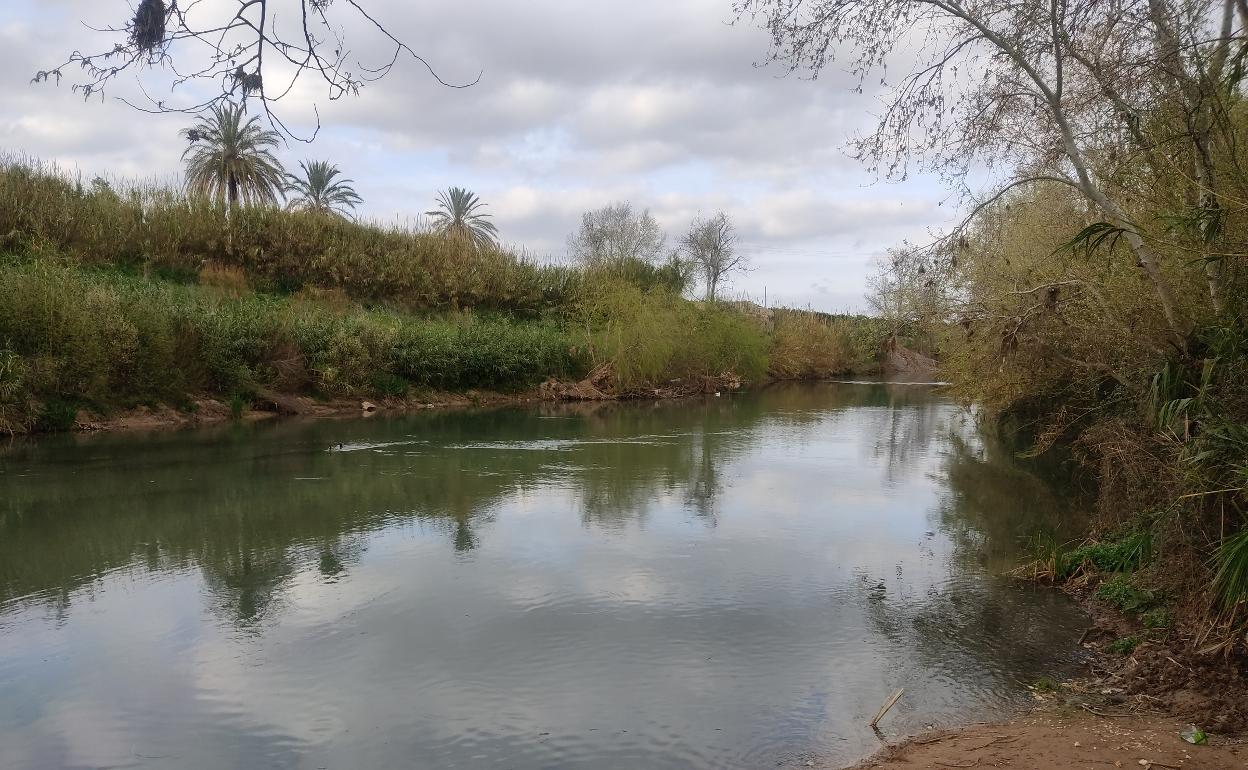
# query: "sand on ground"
[1062,742]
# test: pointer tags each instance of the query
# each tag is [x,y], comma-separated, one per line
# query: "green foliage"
[1119,592]
[1045,684]
[57,414]
[230,157]
[1125,646]
[1231,578]
[458,217]
[78,335]
[155,230]
[1125,554]
[654,336]
[1157,619]
[387,384]
[319,191]
[1094,237]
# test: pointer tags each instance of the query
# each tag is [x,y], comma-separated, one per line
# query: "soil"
[1060,741]
[208,411]
[900,360]
[1128,711]
[597,387]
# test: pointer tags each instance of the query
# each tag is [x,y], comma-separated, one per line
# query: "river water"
[734,582]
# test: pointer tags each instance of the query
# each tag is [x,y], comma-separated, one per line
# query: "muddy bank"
[1057,739]
[599,386]
[205,412]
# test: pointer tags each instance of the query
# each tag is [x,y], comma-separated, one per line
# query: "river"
[733,582]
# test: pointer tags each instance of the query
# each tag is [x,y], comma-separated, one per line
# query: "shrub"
[1127,553]
[807,346]
[1119,592]
[167,234]
[654,336]
[77,336]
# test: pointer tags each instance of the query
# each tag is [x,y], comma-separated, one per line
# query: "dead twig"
[892,701]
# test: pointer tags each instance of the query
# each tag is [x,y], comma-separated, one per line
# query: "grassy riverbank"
[111,299]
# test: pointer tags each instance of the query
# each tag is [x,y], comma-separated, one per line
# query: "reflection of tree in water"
[978,628]
[976,619]
[912,425]
[253,506]
[994,504]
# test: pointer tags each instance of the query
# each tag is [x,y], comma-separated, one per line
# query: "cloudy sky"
[580,104]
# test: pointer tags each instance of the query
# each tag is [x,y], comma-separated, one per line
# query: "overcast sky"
[579,104]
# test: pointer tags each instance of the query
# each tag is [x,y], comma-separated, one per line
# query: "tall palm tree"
[318,191]
[457,217]
[230,157]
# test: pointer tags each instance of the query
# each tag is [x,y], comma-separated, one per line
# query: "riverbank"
[1129,708]
[92,346]
[1060,740]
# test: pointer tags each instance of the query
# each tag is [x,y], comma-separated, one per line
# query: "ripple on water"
[726,584]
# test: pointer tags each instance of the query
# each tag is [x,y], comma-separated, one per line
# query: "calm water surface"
[729,583]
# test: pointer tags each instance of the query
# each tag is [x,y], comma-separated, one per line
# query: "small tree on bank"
[711,245]
[616,234]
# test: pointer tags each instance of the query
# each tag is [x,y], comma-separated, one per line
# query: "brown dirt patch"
[1060,742]
[1165,673]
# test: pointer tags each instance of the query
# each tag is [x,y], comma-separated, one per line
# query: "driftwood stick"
[887,705]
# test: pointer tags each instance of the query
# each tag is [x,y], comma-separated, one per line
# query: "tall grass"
[806,346]
[161,230]
[106,338]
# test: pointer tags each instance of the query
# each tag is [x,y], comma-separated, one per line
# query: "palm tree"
[456,217]
[317,191]
[229,158]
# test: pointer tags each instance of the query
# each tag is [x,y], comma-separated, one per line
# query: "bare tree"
[616,234]
[1038,91]
[711,245]
[245,49]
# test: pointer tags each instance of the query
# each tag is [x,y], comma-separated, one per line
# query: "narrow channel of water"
[726,583]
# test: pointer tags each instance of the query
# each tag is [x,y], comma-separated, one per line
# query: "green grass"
[70,336]
[158,230]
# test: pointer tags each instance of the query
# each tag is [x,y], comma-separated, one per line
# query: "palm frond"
[319,191]
[457,216]
[230,158]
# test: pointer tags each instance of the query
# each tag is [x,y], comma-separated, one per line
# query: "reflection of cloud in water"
[699,583]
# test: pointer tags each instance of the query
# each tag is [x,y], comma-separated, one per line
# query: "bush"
[73,336]
[1119,592]
[806,346]
[654,336]
[1125,554]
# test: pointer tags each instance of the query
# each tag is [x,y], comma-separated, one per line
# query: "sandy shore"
[1060,741]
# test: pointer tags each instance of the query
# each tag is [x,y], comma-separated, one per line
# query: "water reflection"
[706,583]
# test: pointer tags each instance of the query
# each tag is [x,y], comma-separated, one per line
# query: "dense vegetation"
[118,297]
[1094,295]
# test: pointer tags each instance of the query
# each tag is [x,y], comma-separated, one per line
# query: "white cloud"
[579,104]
